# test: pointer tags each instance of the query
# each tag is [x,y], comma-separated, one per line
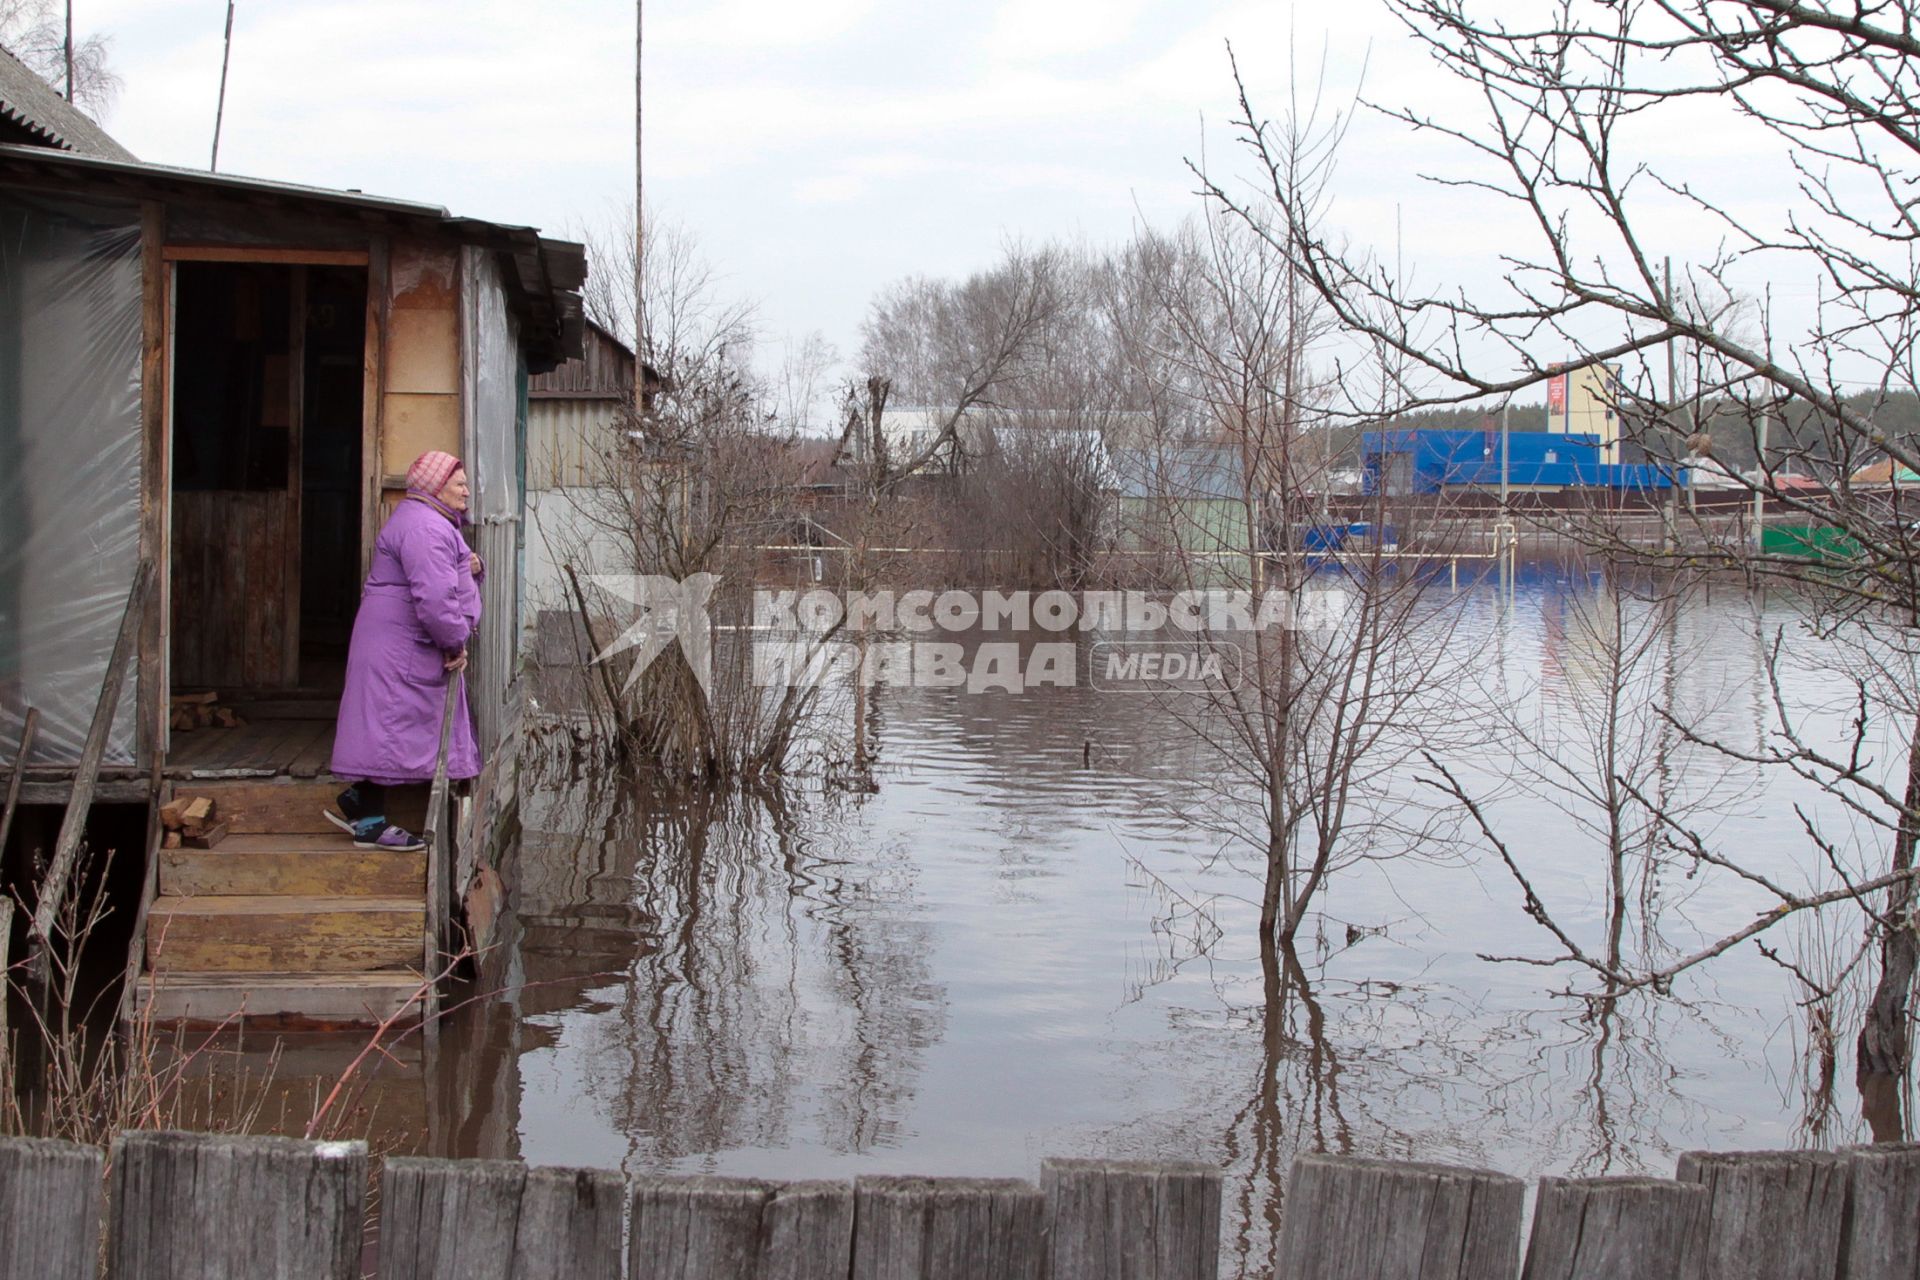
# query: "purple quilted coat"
[419,607]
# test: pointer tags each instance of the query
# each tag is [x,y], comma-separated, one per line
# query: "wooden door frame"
[159,263]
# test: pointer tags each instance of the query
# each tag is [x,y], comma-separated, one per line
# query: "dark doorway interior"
[267,385]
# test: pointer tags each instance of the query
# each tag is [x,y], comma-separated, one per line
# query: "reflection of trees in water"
[1422,1072]
[769,986]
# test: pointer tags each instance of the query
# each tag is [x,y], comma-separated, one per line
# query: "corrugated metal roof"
[543,283]
[32,104]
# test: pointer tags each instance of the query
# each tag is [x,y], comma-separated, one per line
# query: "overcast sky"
[818,150]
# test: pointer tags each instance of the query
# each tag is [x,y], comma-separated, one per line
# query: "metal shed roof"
[543,284]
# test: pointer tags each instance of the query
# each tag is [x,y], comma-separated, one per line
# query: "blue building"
[1432,461]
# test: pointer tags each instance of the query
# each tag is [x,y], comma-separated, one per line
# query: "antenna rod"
[220,111]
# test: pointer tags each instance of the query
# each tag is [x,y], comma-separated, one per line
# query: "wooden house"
[211,388]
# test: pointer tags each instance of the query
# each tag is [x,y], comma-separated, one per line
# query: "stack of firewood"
[189,821]
[201,711]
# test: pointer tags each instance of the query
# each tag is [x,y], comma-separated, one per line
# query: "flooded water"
[1031,939]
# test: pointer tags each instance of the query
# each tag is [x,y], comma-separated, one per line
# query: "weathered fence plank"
[808,1229]
[449,1220]
[1354,1219]
[49,1208]
[1125,1218]
[947,1229]
[1617,1229]
[188,1206]
[696,1228]
[1774,1215]
[570,1225]
[1882,1239]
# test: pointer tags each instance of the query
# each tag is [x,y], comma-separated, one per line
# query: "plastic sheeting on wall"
[70,324]
[492,430]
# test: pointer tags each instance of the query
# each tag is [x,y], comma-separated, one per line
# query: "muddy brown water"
[1033,938]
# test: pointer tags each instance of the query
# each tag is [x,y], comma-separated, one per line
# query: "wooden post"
[197,1207]
[739,1228]
[1354,1219]
[1883,1217]
[435,838]
[74,824]
[809,1231]
[1617,1229]
[1154,1221]
[440,1219]
[149,890]
[6,963]
[947,1229]
[27,732]
[1775,1215]
[49,1208]
[696,1228]
[570,1222]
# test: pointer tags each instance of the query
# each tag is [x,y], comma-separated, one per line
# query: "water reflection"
[1016,946]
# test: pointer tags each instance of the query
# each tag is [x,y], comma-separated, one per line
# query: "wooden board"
[253,808]
[233,554]
[50,1199]
[304,865]
[283,934]
[1775,1215]
[1357,1219]
[197,1207]
[312,866]
[335,999]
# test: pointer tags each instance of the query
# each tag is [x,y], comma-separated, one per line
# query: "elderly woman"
[420,606]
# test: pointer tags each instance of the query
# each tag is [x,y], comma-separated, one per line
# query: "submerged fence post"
[947,1229]
[188,1206]
[1618,1229]
[1775,1215]
[1349,1218]
[1883,1218]
[49,1209]
[1113,1217]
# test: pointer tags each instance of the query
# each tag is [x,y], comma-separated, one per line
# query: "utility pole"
[1673,401]
[1759,492]
[220,111]
[69,51]
[1506,421]
[639,223]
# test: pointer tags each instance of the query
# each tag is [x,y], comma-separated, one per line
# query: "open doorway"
[266,423]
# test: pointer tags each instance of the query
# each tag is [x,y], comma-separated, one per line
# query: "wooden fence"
[180,1206]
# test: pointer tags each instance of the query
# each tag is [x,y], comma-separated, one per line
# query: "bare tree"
[36,32]
[1827,95]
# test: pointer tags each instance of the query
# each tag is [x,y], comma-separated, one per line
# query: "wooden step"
[301,865]
[293,999]
[275,934]
[293,807]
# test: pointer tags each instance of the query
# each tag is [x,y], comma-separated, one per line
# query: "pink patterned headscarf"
[431,471]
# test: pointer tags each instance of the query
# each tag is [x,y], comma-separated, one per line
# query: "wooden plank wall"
[420,407]
[198,1205]
[231,553]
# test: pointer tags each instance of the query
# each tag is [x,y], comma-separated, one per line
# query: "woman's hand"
[473,563]
[457,663]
